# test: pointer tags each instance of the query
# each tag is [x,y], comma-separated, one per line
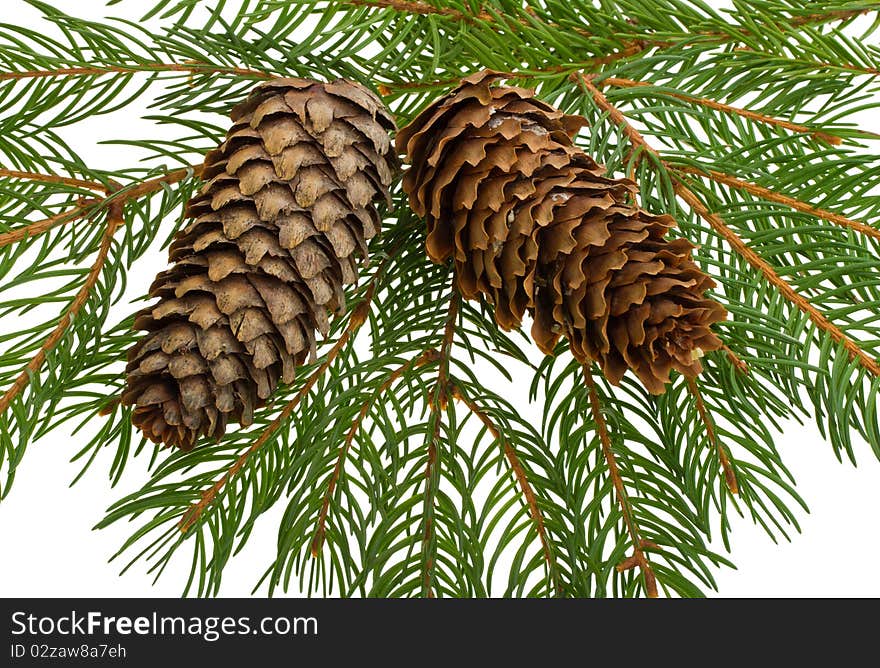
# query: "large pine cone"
[534,226]
[287,205]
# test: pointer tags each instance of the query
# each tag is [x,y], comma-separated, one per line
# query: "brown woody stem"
[423,8]
[429,355]
[521,478]
[41,226]
[358,318]
[741,247]
[741,366]
[114,220]
[438,404]
[115,200]
[726,108]
[638,556]
[726,466]
[785,200]
[113,191]
[55,178]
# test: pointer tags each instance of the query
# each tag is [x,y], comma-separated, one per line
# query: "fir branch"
[726,108]
[85,207]
[439,399]
[106,188]
[785,200]
[82,208]
[640,146]
[638,557]
[724,460]
[114,221]
[522,480]
[357,318]
[426,357]
[99,70]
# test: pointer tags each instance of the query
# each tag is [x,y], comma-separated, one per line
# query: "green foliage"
[427,501]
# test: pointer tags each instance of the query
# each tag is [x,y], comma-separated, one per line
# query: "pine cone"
[287,205]
[534,226]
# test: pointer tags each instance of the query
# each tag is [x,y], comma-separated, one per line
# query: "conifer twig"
[639,143]
[638,557]
[629,47]
[106,188]
[726,108]
[785,200]
[116,199]
[98,70]
[439,399]
[40,226]
[521,478]
[726,467]
[855,69]
[81,207]
[430,355]
[417,7]
[358,317]
[740,365]
[114,221]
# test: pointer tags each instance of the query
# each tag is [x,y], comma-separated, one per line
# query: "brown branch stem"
[426,357]
[519,473]
[741,366]
[726,108]
[638,557]
[114,220]
[438,404]
[358,317]
[785,200]
[423,8]
[41,226]
[113,192]
[726,466]
[115,199]
[638,143]
[64,180]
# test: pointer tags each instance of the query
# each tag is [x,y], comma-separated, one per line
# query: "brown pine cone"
[286,207]
[534,226]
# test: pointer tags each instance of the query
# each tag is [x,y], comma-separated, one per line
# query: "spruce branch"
[114,221]
[438,404]
[638,557]
[640,146]
[115,201]
[428,356]
[357,318]
[779,198]
[107,188]
[380,479]
[115,193]
[190,68]
[724,460]
[82,208]
[719,106]
[521,476]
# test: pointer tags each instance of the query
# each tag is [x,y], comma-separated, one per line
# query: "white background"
[49,549]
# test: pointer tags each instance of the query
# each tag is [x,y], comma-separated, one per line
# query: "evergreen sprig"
[401,470]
